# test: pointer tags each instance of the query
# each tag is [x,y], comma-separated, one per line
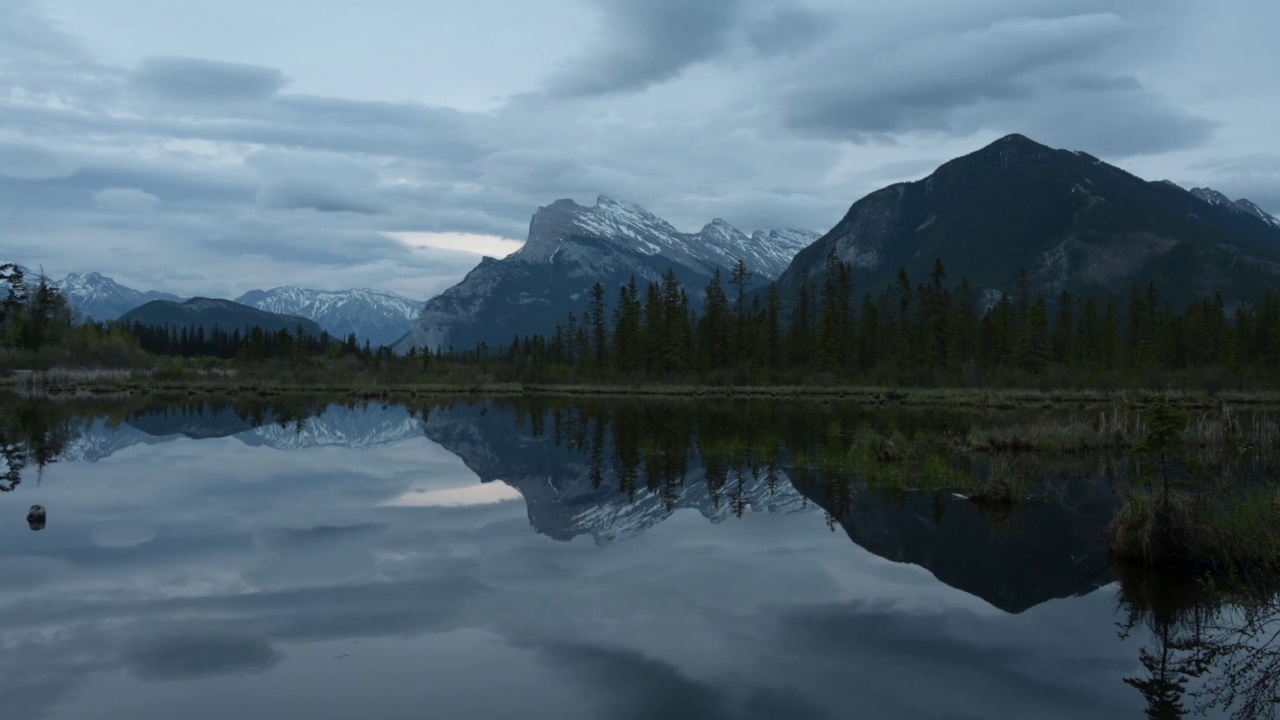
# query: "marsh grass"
[1220,532]
[1007,484]
[1123,427]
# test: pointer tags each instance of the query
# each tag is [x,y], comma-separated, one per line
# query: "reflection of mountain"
[337,426]
[556,482]
[99,440]
[197,421]
[574,483]
[360,427]
[1045,551]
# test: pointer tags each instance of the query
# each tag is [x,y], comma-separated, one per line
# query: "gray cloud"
[1041,75]
[125,200]
[782,30]
[316,195]
[647,41]
[30,162]
[194,80]
[763,112]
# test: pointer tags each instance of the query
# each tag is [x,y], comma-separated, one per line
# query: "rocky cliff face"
[570,247]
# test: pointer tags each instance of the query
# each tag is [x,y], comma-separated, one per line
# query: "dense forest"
[932,333]
[929,333]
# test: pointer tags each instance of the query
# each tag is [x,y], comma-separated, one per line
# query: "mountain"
[209,313]
[1243,205]
[1072,221]
[569,248]
[373,315]
[101,298]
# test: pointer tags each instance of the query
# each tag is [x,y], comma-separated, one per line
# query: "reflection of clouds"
[122,536]
[485,494]
[187,657]
[264,561]
[629,685]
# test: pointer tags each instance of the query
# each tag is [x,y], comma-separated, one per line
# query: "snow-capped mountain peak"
[571,247]
[1251,208]
[99,297]
[630,228]
[376,315]
[1243,205]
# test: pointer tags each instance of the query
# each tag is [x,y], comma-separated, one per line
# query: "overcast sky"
[214,147]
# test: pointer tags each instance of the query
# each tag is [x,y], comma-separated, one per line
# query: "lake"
[572,559]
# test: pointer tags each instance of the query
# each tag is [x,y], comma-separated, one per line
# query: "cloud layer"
[214,175]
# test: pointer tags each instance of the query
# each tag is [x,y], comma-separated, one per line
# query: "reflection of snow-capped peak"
[562,501]
[338,426]
[359,427]
[98,441]
[623,517]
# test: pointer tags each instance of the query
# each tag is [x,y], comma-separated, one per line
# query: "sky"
[210,148]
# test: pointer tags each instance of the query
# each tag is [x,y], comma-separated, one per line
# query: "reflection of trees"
[32,433]
[1211,649]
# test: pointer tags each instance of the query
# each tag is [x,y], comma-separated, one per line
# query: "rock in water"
[35,517]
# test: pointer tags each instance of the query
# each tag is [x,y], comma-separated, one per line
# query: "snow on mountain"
[631,228]
[1249,207]
[570,247]
[100,298]
[374,315]
[1213,197]
[1243,205]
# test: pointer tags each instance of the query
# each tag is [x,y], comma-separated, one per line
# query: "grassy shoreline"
[957,397]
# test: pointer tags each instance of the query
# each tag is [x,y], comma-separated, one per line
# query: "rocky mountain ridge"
[375,315]
[1071,220]
[569,248]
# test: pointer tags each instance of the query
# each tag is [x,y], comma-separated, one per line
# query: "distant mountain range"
[101,298]
[209,313]
[571,247]
[373,315]
[1072,221]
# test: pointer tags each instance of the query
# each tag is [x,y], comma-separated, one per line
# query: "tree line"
[248,344]
[32,315]
[928,333]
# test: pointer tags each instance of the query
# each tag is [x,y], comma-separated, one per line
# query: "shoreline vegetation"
[72,382]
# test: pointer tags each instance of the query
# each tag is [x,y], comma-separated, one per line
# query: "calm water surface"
[499,560]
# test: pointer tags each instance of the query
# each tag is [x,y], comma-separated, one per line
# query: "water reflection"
[611,471]
[1210,646]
